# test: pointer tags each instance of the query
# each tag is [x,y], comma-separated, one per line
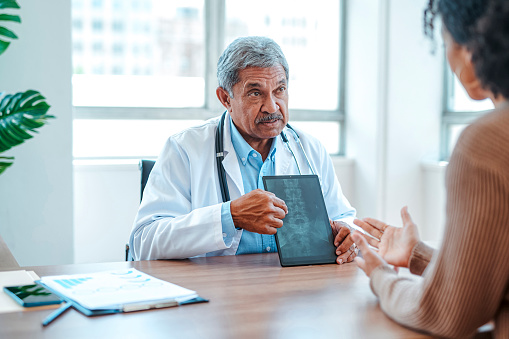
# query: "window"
[97,26]
[459,111]
[77,25]
[97,4]
[153,62]
[97,47]
[152,45]
[118,49]
[308,35]
[117,26]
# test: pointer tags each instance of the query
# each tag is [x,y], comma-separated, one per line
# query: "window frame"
[451,117]
[215,16]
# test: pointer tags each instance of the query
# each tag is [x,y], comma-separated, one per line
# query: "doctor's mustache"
[269,117]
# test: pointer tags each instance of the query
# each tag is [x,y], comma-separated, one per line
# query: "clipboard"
[118,292]
[306,236]
[135,308]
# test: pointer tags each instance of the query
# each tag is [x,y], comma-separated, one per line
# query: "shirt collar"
[243,149]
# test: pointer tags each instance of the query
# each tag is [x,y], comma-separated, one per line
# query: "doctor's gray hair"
[253,51]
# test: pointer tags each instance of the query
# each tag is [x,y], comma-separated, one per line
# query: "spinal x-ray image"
[306,231]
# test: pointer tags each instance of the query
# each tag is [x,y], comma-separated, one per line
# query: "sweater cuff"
[378,277]
[420,258]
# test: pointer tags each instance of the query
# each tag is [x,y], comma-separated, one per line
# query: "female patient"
[466,282]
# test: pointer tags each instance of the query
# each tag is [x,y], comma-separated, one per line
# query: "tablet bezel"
[326,229]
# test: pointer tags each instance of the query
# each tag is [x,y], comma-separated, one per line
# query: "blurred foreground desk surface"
[251,296]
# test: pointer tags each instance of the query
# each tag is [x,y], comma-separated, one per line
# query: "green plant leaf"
[14,101]
[4,32]
[8,33]
[3,46]
[5,162]
[4,101]
[8,4]
[8,17]
[20,115]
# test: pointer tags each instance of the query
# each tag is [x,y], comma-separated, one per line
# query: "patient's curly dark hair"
[483,27]
[459,17]
[490,49]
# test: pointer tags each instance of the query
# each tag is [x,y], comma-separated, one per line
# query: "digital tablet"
[306,236]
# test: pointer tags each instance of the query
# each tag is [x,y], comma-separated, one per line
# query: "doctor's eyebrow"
[258,85]
[282,82]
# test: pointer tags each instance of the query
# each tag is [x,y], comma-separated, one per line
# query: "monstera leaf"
[5,32]
[20,115]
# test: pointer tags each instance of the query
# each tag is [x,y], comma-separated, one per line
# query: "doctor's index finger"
[341,236]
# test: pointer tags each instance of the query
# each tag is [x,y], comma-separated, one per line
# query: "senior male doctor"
[183,215]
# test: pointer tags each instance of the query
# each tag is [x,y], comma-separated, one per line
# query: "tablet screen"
[306,236]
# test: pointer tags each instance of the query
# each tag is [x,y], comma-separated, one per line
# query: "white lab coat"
[180,215]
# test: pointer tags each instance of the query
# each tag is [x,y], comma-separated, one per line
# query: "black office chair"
[145,169]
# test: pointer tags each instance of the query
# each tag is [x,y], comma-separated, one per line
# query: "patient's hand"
[394,244]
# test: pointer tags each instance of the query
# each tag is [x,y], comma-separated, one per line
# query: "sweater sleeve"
[420,258]
[466,281]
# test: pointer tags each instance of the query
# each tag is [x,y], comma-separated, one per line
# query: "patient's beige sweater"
[466,283]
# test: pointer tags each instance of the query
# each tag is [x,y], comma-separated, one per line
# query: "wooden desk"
[251,296]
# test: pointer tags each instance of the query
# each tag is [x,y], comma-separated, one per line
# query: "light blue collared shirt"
[252,169]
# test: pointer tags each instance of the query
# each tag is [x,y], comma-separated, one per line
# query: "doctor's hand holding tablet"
[259,211]
[263,212]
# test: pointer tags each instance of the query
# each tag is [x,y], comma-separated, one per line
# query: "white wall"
[36,192]
[106,199]
[394,98]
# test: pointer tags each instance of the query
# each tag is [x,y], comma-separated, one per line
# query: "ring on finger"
[354,249]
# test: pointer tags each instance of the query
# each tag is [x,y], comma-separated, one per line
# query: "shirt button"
[268,249]
[255,155]
[224,235]
[243,159]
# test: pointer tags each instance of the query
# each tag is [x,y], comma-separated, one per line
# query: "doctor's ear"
[224,97]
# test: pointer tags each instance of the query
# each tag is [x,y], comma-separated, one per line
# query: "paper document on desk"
[126,290]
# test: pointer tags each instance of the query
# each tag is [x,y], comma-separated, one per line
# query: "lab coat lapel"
[284,158]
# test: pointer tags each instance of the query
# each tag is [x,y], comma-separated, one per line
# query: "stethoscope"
[225,193]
